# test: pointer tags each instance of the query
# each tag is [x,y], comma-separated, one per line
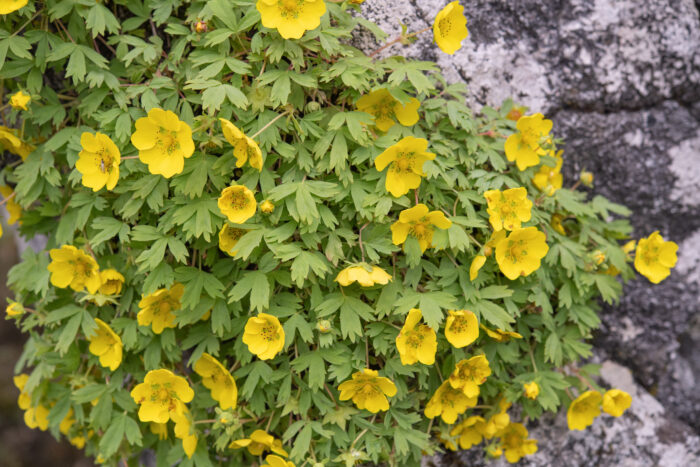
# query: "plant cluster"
[268,247]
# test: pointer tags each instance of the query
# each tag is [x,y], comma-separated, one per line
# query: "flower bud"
[515,114]
[201,26]
[313,106]
[598,257]
[323,326]
[14,309]
[267,207]
[586,178]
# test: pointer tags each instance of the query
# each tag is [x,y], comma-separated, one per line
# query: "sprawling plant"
[265,245]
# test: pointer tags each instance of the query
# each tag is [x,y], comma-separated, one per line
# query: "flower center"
[234,234]
[444,26]
[531,138]
[414,339]
[420,230]
[458,325]
[167,140]
[290,7]
[404,163]
[516,250]
[651,255]
[82,268]
[238,200]
[269,333]
[105,161]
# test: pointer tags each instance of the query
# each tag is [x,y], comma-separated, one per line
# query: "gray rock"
[621,81]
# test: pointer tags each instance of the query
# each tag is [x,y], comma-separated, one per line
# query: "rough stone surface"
[621,81]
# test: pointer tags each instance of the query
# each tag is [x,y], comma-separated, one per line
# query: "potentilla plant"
[266,247]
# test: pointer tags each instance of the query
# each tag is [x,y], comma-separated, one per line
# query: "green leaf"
[302,443]
[112,438]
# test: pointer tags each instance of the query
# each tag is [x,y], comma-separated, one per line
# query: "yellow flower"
[237,203]
[37,417]
[75,268]
[364,274]
[467,431]
[161,395]
[386,109]
[11,143]
[556,223]
[112,282]
[416,343]
[8,6]
[13,208]
[368,390]
[228,237]
[477,263]
[532,390]
[629,247]
[159,429]
[508,209]
[157,308]
[163,141]
[267,207]
[77,441]
[655,257]
[549,179]
[499,335]
[185,431]
[496,423]
[450,28]
[106,345]
[461,328]
[469,374]
[218,380]
[418,223]
[98,161]
[449,403]
[583,410]
[515,444]
[67,422]
[276,461]
[264,336]
[405,160]
[524,147]
[19,100]
[14,309]
[24,400]
[616,401]
[586,178]
[520,253]
[244,148]
[259,442]
[291,18]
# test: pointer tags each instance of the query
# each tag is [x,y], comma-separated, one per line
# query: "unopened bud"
[586,178]
[323,326]
[267,207]
[201,26]
[313,106]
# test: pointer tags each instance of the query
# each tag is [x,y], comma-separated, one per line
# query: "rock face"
[621,81]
